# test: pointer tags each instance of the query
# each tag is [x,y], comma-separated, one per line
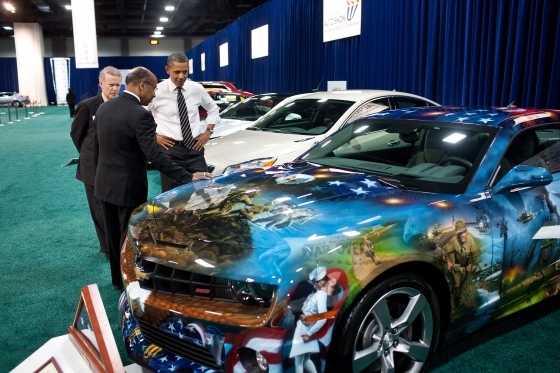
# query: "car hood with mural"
[259,223]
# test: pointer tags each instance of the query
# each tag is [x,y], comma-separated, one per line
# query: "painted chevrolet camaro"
[400,233]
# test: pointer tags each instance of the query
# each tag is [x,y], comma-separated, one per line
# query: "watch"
[210,130]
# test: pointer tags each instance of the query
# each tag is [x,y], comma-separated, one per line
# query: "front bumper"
[181,333]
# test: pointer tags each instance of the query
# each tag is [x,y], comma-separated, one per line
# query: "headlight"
[255,163]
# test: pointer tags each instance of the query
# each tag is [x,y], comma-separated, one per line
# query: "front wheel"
[16,103]
[394,327]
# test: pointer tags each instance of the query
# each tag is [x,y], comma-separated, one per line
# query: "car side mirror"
[523,177]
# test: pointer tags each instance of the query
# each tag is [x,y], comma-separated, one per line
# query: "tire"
[407,306]
[16,103]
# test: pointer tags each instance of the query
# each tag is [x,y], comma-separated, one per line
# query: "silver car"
[13,99]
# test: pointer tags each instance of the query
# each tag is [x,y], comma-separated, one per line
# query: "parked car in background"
[238,116]
[399,232]
[291,128]
[224,87]
[13,99]
[223,100]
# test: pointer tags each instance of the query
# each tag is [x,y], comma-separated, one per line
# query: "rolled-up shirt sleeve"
[211,107]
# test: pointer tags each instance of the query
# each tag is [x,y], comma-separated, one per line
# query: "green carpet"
[49,250]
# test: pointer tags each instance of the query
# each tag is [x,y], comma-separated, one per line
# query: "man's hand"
[305,338]
[202,176]
[201,140]
[165,142]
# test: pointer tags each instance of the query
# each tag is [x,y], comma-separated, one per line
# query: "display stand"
[89,346]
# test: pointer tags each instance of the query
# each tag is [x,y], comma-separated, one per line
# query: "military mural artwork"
[298,243]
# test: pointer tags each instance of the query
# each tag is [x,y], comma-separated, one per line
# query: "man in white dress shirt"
[185,151]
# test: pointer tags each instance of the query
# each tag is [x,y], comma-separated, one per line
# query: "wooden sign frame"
[91,333]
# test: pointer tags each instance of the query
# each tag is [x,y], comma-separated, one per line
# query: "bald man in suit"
[124,141]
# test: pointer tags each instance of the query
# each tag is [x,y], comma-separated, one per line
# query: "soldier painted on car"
[460,254]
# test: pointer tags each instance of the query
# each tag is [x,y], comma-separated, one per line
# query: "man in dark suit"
[82,136]
[124,141]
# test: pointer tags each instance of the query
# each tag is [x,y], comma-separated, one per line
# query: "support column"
[30,53]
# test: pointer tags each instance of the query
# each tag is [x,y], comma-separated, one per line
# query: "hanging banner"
[341,19]
[85,35]
[224,60]
[259,42]
[60,68]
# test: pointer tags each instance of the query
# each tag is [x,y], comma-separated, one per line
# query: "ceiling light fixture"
[10,7]
[157,32]
[170,8]
[156,36]
[159,28]
[8,28]
[164,19]
[68,7]
[154,42]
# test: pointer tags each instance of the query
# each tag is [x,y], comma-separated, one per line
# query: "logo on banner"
[352,7]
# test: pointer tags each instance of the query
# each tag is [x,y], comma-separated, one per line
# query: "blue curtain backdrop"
[468,52]
[8,75]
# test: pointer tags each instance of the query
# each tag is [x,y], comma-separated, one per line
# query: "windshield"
[305,116]
[425,156]
[251,108]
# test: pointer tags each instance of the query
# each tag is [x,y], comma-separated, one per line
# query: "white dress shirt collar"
[130,93]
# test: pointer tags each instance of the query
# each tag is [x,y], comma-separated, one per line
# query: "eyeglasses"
[155,88]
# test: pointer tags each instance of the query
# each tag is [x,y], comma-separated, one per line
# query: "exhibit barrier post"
[1,112]
[17,117]
[41,104]
[9,115]
[26,115]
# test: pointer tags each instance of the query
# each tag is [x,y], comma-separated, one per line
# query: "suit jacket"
[82,136]
[125,140]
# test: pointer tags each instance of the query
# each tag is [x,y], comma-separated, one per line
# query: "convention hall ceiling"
[130,18]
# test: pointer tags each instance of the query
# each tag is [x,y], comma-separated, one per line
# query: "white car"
[243,114]
[298,123]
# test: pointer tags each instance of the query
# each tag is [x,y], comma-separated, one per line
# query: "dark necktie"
[188,140]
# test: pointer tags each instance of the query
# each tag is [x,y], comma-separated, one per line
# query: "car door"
[4,98]
[526,219]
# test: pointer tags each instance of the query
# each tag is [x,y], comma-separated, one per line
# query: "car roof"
[475,115]
[360,94]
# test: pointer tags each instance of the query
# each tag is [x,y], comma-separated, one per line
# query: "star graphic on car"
[337,183]
[359,191]
[369,183]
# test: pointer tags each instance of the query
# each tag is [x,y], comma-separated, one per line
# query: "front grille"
[174,281]
[180,347]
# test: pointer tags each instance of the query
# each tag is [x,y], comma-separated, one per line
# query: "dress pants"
[97,216]
[116,220]
[190,160]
